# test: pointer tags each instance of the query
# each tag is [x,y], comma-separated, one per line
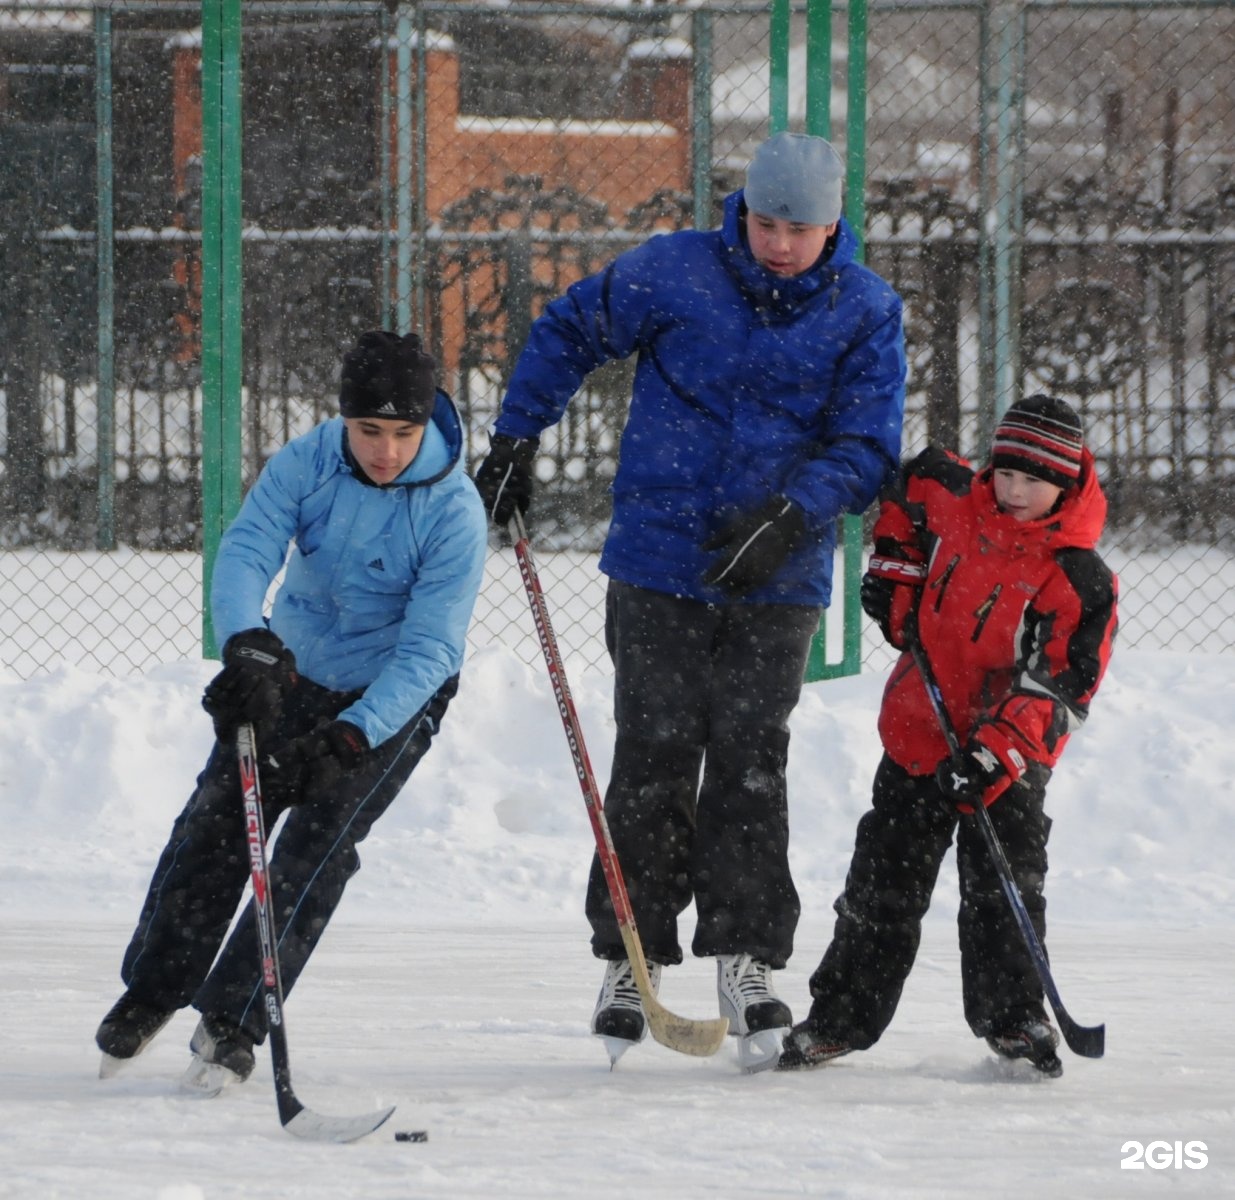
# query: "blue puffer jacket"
[381,581]
[747,385]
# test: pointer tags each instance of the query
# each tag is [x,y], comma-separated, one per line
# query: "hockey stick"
[296,1119]
[700,1038]
[1089,1041]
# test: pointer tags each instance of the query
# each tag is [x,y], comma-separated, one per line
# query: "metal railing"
[1048,194]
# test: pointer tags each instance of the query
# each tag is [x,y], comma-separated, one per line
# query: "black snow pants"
[901,842]
[202,872]
[712,686]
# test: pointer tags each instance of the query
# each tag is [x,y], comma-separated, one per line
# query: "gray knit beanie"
[797,177]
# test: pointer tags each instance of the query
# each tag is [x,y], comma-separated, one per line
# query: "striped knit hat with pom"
[1041,436]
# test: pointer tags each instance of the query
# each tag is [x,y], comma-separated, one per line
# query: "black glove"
[890,592]
[258,672]
[504,479]
[754,546]
[313,762]
[965,778]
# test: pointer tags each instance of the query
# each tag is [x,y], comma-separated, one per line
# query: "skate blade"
[794,1058]
[761,1051]
[109,1066]
[205,1079]
[1021,1066]
[615,1048]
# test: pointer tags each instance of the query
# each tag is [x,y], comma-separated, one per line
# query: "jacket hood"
[1078,522]
[775,291]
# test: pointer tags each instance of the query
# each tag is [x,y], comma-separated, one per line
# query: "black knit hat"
[388,376]
[1041,436]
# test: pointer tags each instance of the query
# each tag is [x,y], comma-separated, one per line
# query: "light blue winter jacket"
[748,385]
[380,582]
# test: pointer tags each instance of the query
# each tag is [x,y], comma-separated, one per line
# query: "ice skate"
[129,1027]
[809,1046]
[618,1018]
[1034,1039]
[756,1014]
[222,1054]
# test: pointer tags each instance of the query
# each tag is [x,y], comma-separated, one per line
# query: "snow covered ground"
[456,981]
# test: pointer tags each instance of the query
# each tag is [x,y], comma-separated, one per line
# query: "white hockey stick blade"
[313,1127]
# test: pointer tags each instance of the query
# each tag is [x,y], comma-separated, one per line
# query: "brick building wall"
[621,162]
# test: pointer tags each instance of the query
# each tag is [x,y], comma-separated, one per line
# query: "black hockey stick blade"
[1088,1041]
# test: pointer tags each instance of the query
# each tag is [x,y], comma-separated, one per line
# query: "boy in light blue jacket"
[345,685]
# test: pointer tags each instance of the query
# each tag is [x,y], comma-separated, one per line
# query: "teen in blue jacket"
[346,686]
[768,400]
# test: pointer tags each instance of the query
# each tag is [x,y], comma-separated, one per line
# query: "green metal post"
[855,125]
[384,160]
[778,66]
[818,121]
[222,286]
[105,395]
[855,214]
[701,118]
[403,172]
[819,67]
[421,214]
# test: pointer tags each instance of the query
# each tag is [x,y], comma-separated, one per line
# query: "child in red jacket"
[1016,613]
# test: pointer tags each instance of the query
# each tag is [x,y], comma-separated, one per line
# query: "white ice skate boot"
[756,1014]
[619,1018]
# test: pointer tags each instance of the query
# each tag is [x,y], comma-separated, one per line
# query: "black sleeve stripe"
[1089,647]
[937,466]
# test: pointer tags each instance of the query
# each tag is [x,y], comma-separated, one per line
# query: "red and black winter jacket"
[1017,618]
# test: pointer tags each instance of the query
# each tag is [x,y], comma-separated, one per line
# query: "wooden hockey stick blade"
[698,1038]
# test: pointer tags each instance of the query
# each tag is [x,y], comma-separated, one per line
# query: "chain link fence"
[452,167]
